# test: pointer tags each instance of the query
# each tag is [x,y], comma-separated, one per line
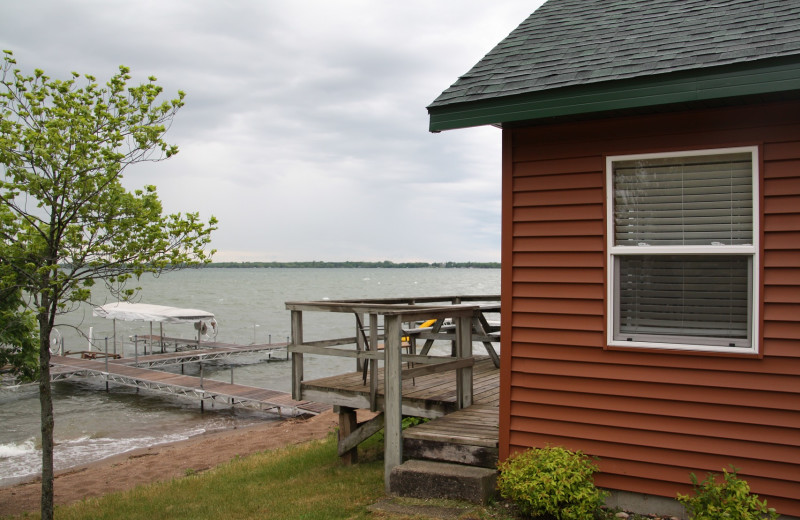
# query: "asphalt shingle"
[576,42]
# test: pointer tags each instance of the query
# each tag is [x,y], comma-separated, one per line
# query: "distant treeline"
[384,264]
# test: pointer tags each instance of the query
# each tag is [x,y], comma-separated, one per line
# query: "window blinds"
[688,296]
[671,296]
[700,200]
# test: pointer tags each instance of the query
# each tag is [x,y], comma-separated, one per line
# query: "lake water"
[248,304]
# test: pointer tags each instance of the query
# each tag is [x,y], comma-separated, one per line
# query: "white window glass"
[682,250]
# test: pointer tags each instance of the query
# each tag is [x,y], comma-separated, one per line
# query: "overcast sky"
[305,129]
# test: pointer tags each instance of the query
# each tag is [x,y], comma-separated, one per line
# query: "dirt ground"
[164,462]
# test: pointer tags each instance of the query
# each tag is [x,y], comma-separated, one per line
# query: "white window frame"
[752,251]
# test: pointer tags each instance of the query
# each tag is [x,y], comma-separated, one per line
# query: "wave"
[22,461]
[17,449]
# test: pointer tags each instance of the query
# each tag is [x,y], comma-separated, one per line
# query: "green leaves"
[64,147]
[551,481]
[18,331]
[18,338]
[728,499]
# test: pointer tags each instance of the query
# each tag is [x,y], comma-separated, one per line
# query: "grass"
[305,482]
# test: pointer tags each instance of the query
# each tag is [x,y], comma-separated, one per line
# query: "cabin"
[650,238]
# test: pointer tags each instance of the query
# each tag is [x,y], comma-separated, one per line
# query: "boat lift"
[126,311]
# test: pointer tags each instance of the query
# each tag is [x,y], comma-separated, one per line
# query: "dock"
[121,371]
[208,352]
[163,343]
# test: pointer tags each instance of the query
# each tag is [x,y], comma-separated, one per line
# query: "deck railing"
[383,329]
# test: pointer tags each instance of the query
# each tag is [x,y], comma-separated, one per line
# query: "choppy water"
[249,307]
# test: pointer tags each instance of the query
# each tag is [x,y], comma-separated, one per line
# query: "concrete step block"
[429,479]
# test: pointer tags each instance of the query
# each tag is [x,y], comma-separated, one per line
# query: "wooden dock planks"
[184,385]
[208,351]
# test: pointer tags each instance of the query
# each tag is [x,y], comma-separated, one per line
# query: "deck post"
[373,365]
[463,350]
[359,341]
[297,357]
[348,423]
[393,396]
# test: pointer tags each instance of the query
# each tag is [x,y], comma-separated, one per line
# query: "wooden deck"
[188,386]
[467,436]
[408,384]
[428,396]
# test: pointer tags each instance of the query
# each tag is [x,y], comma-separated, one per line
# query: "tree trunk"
[46,407]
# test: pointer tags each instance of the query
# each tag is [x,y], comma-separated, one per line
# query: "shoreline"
[164,462]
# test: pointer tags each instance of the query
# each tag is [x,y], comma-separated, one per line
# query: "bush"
[551,480]
[729,499]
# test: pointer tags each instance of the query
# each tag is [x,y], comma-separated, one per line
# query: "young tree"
[67,220]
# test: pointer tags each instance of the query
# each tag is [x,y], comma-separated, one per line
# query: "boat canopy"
[146,312]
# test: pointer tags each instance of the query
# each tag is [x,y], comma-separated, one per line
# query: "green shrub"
[727,500]
[551,480]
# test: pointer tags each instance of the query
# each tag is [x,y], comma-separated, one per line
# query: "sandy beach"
[165,462]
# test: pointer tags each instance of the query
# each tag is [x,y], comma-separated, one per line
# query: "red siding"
[652,417]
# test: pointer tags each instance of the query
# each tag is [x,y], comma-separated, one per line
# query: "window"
[683,245]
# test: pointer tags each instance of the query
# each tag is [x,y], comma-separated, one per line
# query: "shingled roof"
[588,44]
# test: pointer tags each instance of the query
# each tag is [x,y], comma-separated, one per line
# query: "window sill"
[678,348]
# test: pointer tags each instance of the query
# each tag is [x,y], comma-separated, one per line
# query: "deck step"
[468,436]
[428,479]
[478,456]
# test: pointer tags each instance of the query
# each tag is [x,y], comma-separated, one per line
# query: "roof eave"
[747,79]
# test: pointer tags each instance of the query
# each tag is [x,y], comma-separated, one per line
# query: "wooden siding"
[652,417]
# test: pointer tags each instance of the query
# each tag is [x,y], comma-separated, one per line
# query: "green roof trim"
[714,83]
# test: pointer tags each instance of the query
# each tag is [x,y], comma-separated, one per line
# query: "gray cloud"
[305,130]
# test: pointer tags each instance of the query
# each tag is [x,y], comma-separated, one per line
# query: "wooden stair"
[455,456]
[467,436]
